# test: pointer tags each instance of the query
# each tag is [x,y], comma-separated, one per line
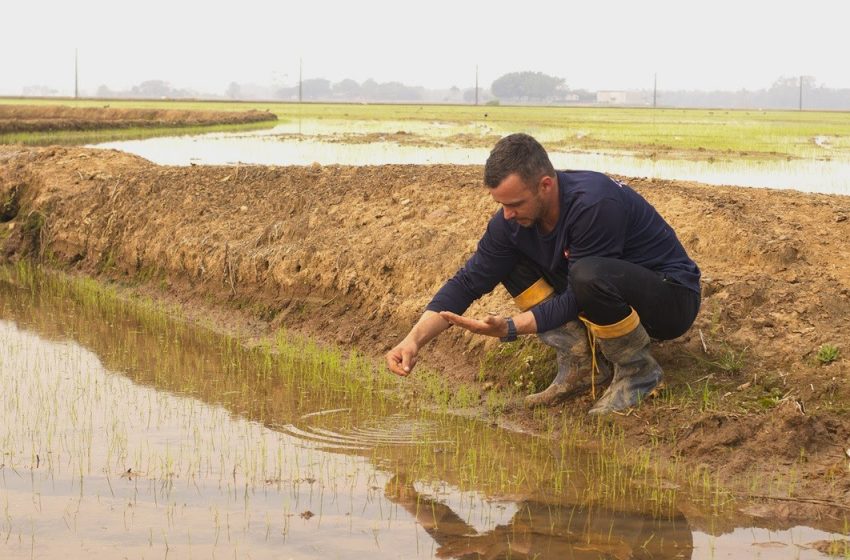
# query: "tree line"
[512,88]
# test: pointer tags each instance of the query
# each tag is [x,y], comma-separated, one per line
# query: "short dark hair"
[517,153]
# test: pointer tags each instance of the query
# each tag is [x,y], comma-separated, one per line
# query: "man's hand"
[402,358]
[491,325]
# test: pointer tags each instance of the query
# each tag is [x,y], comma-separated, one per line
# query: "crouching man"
[579,252]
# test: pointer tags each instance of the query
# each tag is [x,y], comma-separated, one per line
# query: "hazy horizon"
[616,45]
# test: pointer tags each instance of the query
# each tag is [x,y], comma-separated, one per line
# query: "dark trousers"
[606,289]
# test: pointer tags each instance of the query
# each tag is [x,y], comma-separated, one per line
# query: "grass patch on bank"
[526,366]
[81,137]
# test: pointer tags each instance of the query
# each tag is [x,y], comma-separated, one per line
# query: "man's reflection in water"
[540,531]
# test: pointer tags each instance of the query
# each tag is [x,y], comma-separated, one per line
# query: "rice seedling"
[180,439]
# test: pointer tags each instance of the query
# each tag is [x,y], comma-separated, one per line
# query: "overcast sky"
[607,44]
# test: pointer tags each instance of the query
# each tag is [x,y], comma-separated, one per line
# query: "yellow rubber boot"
[636,373]
[575,366]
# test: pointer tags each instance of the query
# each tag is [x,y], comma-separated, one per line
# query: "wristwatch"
[511,336]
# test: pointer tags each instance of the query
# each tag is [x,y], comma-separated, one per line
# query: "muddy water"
[125,434]
[285,145]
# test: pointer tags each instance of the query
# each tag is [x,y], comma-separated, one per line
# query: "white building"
[612,97]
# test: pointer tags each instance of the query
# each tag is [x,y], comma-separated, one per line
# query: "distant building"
[612,97]
[616,97]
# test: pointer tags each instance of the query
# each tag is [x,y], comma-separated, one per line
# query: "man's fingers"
[394,361]
[490,326]
[408,360]
[461,321]
[451,317]
[472,325]
[400,362]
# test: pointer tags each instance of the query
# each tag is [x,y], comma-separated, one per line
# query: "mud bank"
[351,255]
[42,118]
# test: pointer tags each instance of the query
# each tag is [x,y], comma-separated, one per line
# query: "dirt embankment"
[38,118]
[351,255]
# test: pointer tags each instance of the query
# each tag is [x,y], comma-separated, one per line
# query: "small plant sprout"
[827,354]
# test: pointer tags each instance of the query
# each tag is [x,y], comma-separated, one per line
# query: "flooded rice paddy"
[373,143]
[124,433]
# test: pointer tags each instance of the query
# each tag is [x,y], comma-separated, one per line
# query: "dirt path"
[351,255]
[41,118]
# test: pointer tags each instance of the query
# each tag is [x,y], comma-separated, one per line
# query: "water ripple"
[329,429]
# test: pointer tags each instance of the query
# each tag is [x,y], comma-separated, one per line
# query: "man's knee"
[527,285]
[585,276]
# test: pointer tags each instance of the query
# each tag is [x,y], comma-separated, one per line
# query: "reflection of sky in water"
[267,147]
[193,492]
[763,544]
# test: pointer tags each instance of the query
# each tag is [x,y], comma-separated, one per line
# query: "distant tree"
[234,91]
[369,89]
[785,82]
[316,88]
[397,91]
[390,91]
[104,91]
[785,91]
[153,89]
[584,96]
[527,86]
[286,93]
[38,91]
[346,89]
[469,95]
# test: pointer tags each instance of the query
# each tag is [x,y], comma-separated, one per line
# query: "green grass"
[78,137]
[526,366]
[678,133]
[827,354]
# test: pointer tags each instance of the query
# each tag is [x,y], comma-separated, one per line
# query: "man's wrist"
[511,336]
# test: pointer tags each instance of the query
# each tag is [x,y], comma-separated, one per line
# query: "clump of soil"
[38,118]
[351,255]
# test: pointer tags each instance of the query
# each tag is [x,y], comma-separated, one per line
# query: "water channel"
[127,434]
[319,141]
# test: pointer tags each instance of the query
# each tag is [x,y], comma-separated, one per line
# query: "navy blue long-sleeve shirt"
[598,217]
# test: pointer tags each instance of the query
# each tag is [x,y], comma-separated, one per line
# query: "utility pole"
[300,80]
[655,90]
[800,106]
[76,75]
[476,85]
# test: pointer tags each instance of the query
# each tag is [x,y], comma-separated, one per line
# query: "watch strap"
[511,336]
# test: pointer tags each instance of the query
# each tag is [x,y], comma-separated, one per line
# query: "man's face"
[520,202]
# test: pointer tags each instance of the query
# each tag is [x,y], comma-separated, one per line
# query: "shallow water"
[296,144]
[124,434]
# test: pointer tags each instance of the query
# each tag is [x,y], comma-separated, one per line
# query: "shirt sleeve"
[595,230]
[556,311]
[493,261]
